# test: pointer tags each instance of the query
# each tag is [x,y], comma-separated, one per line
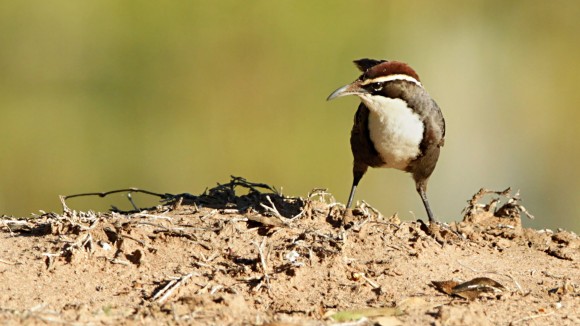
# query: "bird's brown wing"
[362,147]
[433,139]
[439,117]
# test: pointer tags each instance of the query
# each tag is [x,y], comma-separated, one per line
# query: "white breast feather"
[396,131]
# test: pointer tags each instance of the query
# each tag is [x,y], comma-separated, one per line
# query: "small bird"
[397,124]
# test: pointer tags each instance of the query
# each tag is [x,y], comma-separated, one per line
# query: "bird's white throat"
[395,129]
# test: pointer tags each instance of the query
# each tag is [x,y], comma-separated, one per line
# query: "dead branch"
[509,209]
[164,197]
[239,181]
[128,190]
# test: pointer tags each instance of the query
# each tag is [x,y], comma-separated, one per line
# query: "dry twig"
[9,262]
[272,208]
[531,317]
[263,259]
[162,295]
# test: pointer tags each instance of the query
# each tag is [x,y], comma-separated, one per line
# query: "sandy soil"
[243,254]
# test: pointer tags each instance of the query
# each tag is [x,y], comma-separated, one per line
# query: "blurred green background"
[176,96]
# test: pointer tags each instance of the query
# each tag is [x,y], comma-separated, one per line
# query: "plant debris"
[471,289]
[243,253]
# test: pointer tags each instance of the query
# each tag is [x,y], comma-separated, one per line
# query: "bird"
[397,125]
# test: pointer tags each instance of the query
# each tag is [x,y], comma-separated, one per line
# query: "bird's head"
[375,75]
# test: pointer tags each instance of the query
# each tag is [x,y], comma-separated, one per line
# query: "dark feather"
[365,64]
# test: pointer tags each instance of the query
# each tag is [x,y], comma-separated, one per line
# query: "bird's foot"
[440,232]
[341,217]
[348,219]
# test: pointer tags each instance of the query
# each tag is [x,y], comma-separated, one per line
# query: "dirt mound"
[242,253]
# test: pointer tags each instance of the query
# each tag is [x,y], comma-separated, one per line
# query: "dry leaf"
[478,283]
[445,286]
[471,289]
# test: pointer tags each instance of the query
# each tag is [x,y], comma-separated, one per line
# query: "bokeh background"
[177,96]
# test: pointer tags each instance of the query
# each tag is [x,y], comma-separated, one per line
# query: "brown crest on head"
[387,68]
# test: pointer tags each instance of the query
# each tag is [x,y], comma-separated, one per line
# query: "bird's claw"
[440,232]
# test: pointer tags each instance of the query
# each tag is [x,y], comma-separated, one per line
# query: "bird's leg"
[358,171]
[351,196]
[422,190]
[434,228]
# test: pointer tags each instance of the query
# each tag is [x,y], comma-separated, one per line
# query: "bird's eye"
[378,86]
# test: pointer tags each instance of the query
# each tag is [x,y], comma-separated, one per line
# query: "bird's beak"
[354,88]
